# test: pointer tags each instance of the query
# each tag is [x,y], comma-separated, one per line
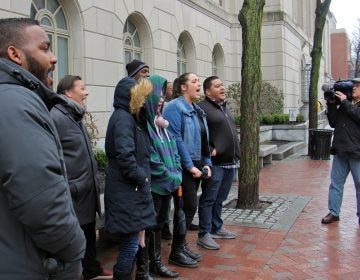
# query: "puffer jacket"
[36,212]
[128,202]
[79,158]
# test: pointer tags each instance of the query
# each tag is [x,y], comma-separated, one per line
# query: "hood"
[122,93]
[11,73]
[153,99]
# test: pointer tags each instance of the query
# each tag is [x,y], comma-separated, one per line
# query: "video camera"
[344,86]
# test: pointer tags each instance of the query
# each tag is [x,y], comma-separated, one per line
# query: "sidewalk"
[305,249]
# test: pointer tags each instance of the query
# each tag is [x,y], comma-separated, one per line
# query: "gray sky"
[346,13]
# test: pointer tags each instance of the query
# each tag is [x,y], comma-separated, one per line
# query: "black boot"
[179,258]
[165,232]
[121,275]
[195,256]
[142,261]
[156,267]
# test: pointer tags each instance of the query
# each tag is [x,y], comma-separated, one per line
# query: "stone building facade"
[95,39]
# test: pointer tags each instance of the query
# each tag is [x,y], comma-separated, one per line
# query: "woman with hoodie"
[165,180]
[129,208]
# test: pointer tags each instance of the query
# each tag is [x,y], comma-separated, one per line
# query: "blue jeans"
[128,247]
[340,169]
[214,192]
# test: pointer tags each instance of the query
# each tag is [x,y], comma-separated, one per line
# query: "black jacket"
[222,132]
[80,163]
[36,212]
[128,202]
[346,121]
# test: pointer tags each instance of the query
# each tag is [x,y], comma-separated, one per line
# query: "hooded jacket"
[164,160]
[128,202]
[36,212]
[79,159]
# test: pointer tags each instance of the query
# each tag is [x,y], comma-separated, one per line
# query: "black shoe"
[330,218]
[179,258]
[193,227]
[159,269]
[195,256]
[165,232]
[121,275]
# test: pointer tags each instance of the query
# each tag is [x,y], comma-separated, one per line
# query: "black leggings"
[190,186]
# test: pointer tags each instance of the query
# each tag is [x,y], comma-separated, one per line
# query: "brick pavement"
[305,250]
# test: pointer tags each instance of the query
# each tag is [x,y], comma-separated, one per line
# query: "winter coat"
[222,133]
[164,160]
[80,163]
[184,125]
[346,121]
[36,212]
[128,202]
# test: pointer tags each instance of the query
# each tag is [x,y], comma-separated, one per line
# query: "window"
[52,18]
[181,58]
[132,43]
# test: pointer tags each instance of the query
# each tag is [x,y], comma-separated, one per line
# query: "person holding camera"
[225,155]
[187,123]
[345,119]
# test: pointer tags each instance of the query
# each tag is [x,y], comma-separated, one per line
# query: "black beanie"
[134,67]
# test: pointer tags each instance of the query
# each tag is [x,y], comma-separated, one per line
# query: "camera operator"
[345,119]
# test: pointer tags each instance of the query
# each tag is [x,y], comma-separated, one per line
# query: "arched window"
[52,18]
[181,58]
[132,43]
[218,61]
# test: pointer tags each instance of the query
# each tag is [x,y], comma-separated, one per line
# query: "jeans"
[91,266]
[214,192]
[340,169]
[128,247]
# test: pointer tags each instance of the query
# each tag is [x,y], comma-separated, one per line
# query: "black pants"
[190,186]
[162,206]
[91,267]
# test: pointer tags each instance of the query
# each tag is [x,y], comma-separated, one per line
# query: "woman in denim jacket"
[187,122]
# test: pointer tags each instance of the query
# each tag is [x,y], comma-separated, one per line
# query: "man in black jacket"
[225,155]
[81,167]
[345,118]
[40,236]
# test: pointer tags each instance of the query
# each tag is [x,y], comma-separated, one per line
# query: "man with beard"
[40,236]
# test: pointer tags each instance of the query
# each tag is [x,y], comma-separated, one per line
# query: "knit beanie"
[134,67]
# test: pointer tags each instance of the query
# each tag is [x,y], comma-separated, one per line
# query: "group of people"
[161,148]
[158,149]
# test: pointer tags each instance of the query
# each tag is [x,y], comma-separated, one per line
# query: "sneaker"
[105,274]
[208,242]
[223,233]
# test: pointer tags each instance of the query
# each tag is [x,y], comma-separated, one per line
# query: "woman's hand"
[195,172]
[213,152]
[142,238]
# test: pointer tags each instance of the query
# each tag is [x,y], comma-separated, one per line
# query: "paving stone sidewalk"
[288,241]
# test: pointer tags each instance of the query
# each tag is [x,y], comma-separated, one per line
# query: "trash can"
[320,143]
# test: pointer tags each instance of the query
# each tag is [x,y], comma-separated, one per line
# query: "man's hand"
[340,95]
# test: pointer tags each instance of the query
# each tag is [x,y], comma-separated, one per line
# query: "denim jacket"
[184,125]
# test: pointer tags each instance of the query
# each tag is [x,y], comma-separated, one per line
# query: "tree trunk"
[250,18]
[322,9]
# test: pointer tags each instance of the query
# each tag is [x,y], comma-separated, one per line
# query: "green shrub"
[101,159]
[300,118]
[268,119]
